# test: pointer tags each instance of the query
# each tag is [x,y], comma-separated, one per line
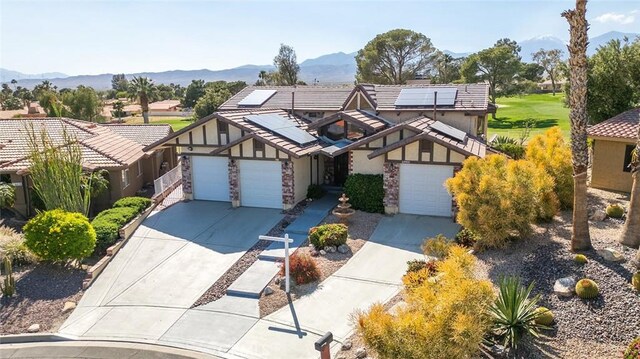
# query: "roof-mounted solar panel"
[448,131]
[282,126]
[425,97]
[256,98]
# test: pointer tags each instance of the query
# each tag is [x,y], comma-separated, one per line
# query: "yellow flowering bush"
[57,235]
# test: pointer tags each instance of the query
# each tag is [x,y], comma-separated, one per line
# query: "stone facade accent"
[187,187]
[234,183]
[288,185]
[391,184]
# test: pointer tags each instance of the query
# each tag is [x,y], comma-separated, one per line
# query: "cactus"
[545,316]
[635,281]
[615,211]
[587,289]
[9,284]
[581,259]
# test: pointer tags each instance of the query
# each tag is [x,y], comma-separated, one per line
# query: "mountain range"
[336,68]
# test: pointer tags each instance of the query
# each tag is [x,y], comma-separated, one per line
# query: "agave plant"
[514,313]
[503,140]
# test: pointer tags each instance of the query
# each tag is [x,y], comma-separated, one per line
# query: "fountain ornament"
[343,210]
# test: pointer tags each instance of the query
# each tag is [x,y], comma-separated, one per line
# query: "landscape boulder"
[599,215]
[34,328]
[564,287]
[610,255]
[343,249]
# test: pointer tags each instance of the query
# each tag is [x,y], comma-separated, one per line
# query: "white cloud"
[613,17]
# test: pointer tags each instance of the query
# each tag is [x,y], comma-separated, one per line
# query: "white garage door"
[210,178]
[422,190]
[261,184]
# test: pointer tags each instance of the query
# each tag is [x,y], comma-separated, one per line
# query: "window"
[223,127]
[139,168]
[480,129]
[426,146]
[354,132]
[627,158]
[257,145]
[125,178]
[5,178]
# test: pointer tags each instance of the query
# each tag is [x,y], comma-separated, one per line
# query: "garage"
[210,178]
[260,183]
[422,190]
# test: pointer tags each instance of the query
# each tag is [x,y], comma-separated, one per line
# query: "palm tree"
[580,238]
[141,88]
[630,235]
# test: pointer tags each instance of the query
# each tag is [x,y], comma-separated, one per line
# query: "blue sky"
[92,37]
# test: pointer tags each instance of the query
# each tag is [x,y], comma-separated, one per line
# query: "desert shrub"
[581,259]
[415,265]
[512,150]
[7,195]
[466,238]
[587,289]
[635,281]
[139,203]
[12,246]
[302,268]
[514,313]
[444,318]
[633,350]
[553,154]
[57,235]
[545,316]
[615,210]
[365,192]
[498,198]
[332,234]
[315,191]
[437,246]
[417,272]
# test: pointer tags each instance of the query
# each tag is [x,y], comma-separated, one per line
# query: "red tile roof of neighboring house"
[624,125]
[165,105]
[101,145]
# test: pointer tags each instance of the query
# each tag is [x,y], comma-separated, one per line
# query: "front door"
[341,169]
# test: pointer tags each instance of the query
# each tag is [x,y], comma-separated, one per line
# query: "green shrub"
[545,316]
[333,234]
[139,203]
[581,259]
[587,289]
[57,235]
[615,210]
[107,223]
[365,192]
[12,246]
[466,238]
[315,191]
[118,215]
[633,350]
[514,313]
[438,246]
[106,234]
[635,281]
[302,268]
[512,150]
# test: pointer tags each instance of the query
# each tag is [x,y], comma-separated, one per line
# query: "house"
[166,108]
[613,143]
[266,145]
[119,149]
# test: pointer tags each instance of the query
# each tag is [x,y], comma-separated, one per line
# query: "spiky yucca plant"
[514,313]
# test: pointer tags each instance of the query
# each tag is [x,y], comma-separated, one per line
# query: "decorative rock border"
[125,234]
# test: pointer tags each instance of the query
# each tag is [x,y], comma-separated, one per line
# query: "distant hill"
[596,42]
[8,75]
[550,42]
[337,59]
[456,55]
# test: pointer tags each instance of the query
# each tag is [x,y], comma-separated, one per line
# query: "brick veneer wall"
[391,178]
[234,183]
[288,185]
[187,187]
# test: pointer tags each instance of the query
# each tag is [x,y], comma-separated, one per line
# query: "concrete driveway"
[170,261]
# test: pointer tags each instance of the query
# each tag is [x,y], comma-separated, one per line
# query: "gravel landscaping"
[361,226]
[41,293]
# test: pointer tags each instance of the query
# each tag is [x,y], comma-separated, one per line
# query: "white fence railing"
[167,180]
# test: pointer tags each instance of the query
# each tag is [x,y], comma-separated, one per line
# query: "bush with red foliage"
[302,269]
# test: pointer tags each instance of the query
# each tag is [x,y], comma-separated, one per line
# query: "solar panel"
[256,97]
[283,127]
[448,131]
[424,96]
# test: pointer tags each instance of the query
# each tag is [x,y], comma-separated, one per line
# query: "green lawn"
[176,123]
[548,110]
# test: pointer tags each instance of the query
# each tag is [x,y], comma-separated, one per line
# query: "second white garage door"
[261,184]
[422,190]
[210,178]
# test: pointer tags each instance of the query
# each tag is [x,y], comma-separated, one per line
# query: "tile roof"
[143,134]
[306,97]
[101,146]
[470,97]
[238,118]
[624,125]
[164,105]
[471,145]
[363,118]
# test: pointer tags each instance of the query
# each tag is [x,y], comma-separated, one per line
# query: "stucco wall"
[302,177]
[360,163]
[608,163]
[457,119]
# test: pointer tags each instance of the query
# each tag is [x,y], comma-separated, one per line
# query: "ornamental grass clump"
[446,318]
[438,246]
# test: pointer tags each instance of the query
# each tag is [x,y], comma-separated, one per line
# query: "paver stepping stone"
[253,280]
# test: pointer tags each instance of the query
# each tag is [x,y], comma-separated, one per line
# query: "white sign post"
[286,241]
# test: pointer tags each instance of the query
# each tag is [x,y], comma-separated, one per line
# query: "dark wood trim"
[448,155]
[257,159]
[177,140]
[194,145]
[204,134]
[425,162]
[190,138]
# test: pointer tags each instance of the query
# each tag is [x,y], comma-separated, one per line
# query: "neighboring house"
[166,108]
[119,149]
[613,142]
[256,153]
